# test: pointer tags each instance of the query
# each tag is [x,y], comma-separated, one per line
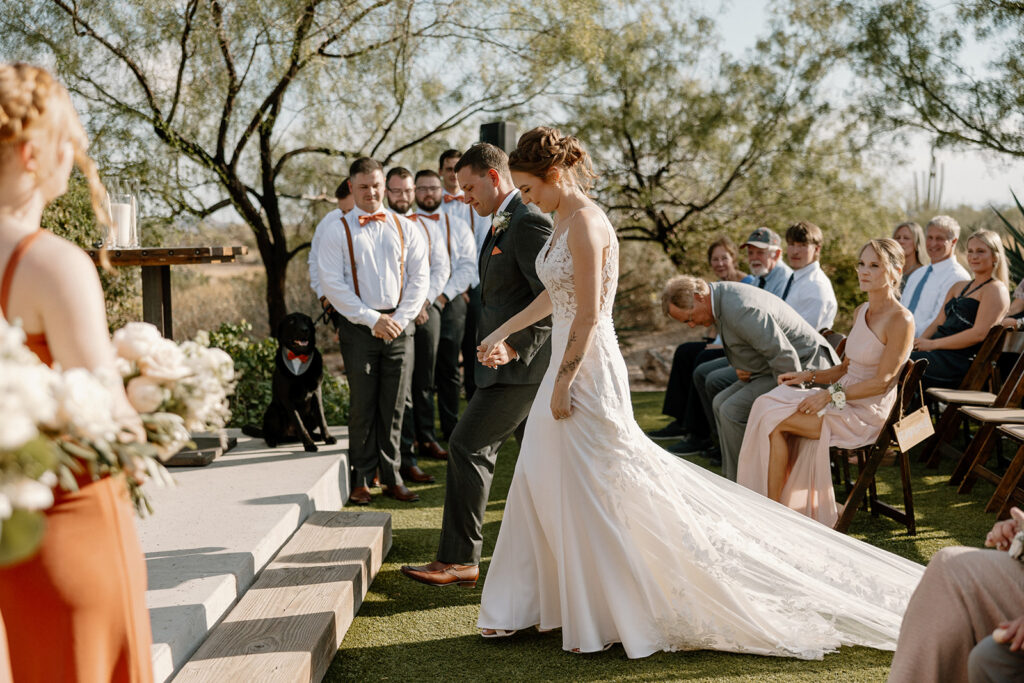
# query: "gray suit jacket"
[763,335]
[508,283]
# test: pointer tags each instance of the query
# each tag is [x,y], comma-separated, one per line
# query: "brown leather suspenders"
[401,257]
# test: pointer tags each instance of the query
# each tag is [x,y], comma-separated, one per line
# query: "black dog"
[296,408]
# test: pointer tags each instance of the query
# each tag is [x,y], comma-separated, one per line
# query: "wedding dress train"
[612,539]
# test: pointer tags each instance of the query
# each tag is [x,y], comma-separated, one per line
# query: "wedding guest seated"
[949,628]
[910,236]
[785,452]
[970,310]
[926,287]
[722,257]
[808,290]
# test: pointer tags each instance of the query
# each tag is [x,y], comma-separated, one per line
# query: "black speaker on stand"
[500,134]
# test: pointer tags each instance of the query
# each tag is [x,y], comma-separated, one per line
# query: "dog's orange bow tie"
[451,198]
[366,218]
[302,357]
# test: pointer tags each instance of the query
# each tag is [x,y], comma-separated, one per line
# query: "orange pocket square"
[495,251]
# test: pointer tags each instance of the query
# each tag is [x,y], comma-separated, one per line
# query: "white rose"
[26,402]
[27,494]
[86,406]
[164,361]
[135,340]
[146,394]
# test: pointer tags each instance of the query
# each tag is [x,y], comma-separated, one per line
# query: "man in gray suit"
[763,337]
[502,400]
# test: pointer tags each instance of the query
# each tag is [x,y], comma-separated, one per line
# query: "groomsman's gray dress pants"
[378,378]
[493,414]
[418,419]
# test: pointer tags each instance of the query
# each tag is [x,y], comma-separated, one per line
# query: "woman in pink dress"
[785,449]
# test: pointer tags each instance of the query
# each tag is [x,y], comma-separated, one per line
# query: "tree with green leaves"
[245,104]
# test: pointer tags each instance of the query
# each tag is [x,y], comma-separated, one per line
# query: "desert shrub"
[254,369]
[71,217]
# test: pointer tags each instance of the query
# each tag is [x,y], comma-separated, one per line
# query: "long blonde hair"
[994,242]
[34,106]
[919,244]
[893,259]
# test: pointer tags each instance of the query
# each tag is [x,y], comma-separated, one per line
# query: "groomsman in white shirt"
[418,417]
[462,253]
[926,287]
[453,204]
[374,271]
[808,290]
[345,203]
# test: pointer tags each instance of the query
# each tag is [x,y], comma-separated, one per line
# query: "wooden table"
[156,265]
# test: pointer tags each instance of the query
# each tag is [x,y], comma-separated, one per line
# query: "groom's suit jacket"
[763,335]
[508,283]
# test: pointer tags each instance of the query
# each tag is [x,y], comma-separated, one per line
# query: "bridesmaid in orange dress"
[76,610]
[785,448]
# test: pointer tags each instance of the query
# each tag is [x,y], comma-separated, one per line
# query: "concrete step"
[212,534]
[289,624]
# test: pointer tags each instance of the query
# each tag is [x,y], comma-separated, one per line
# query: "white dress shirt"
[943,275]
[461,254]
[334,215]
[437,255]
[378,255]
[811,295]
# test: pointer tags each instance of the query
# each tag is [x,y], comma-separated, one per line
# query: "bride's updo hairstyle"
[34,106]
[890,253]
[543,149]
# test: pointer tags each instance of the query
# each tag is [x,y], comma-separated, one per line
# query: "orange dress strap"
[35,342]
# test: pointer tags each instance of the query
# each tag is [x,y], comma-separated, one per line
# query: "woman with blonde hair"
[785,452]
[910,237]
[613,539]
[970,310]
[75,611]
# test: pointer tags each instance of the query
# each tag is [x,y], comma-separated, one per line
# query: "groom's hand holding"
[499,354]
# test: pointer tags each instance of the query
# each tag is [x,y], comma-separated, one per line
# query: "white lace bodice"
[554,268]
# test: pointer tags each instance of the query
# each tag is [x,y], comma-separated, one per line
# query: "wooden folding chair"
[869,457]
[837,340]
[971,392]
[1008,491]
[1005,410]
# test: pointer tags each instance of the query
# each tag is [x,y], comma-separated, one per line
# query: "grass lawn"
[406,631]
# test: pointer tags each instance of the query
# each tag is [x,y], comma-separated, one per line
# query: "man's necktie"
[916,296]
[789,283]
[761,280]
[367,217]
[431,216]
[450,198]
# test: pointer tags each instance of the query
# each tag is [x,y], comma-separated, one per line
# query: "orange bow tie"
[303,357]
[366,218]
[451,198]
[431,216]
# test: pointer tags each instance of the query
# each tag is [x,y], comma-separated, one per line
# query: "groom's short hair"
[482,157]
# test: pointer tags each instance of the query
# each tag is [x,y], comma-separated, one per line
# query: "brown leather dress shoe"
[360,496]
[432,449]
[415,475]
[400,493]
[441,574]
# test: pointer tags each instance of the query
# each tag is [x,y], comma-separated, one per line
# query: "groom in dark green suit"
[504,395]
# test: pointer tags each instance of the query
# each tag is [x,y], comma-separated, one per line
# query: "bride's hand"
[488,345]
[561,402]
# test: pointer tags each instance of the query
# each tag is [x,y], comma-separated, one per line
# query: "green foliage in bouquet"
[254,368]
[71,217]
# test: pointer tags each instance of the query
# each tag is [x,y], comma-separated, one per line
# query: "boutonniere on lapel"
[500,222]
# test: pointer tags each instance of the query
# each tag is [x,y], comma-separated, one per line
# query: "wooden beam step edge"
[289,624]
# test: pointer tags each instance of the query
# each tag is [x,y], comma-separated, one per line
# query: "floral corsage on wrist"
[837,400]
[500,222]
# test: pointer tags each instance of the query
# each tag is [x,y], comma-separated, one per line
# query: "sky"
[970,177]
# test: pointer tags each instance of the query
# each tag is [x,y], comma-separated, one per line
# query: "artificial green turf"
[406,631]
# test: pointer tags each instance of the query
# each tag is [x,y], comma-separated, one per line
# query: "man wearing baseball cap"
[764,255]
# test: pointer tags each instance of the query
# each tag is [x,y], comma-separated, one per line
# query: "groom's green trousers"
[493,414]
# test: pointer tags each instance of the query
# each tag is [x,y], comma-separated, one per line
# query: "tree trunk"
[277,270]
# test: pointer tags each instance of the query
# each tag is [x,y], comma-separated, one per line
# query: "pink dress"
[808,487]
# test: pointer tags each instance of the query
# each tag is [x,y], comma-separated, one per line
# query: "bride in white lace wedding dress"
[612,539]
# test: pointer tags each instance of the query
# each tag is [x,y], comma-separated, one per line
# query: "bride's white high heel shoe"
[496,633]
